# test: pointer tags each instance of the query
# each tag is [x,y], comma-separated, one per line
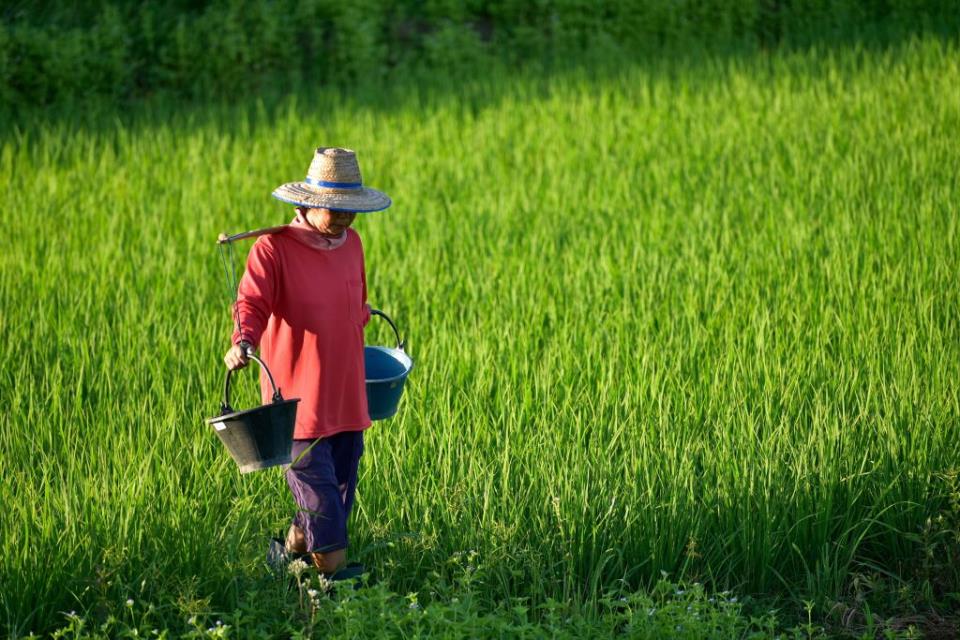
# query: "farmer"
[303,301]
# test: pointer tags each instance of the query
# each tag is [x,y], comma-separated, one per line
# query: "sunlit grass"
[693,318]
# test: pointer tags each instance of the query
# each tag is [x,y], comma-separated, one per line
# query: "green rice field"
[685,322]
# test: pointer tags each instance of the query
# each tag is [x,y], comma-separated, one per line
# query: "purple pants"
[323,483]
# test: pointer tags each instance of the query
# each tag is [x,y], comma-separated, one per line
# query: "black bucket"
[260,437]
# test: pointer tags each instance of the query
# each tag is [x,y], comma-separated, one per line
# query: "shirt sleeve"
[256,295]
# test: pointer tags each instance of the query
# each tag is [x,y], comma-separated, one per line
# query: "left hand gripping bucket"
[386,370]
[261,437]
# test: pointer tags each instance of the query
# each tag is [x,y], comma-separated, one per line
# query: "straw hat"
[333,182]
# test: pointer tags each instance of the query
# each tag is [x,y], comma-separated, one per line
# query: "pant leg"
[313,482]
[346,449]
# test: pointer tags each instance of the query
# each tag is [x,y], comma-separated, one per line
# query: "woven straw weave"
[334,165]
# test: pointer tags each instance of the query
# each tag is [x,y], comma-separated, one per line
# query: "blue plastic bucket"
[386,369]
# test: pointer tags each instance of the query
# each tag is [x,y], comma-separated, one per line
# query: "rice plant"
[697,318]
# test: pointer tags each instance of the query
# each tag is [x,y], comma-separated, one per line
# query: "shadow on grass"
[476,88]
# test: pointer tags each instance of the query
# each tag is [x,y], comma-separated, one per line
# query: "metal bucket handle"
[377,312]
[225,405]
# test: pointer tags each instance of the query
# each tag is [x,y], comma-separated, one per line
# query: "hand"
[236,357]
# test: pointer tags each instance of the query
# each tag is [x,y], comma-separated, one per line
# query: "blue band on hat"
[333,185]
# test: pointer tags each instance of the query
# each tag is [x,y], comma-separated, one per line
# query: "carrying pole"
[224,238]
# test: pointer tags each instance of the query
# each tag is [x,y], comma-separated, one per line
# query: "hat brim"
[363,200]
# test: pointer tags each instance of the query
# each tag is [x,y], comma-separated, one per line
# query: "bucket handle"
[225,405]
[377,312]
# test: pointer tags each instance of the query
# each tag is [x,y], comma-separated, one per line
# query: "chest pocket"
[355,300]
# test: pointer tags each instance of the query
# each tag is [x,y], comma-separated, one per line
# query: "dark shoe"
[350,572]
[279,559]
[353,571]
[277,556]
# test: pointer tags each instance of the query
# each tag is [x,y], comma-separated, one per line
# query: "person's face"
[327,222]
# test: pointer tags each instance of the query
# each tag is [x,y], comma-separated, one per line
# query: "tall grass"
[699,318]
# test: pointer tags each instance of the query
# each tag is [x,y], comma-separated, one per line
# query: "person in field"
[303,302]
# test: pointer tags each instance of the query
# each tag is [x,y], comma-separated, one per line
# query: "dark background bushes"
[56,51]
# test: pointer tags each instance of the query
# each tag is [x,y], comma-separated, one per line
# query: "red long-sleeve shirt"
[306,309]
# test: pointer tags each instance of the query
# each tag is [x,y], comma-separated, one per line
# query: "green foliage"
[697,316]
[58,52]
[311,607]
[453,49]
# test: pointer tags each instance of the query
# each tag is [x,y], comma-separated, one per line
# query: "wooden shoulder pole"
[224,238]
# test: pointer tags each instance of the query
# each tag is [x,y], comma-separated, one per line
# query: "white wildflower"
[297,568]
